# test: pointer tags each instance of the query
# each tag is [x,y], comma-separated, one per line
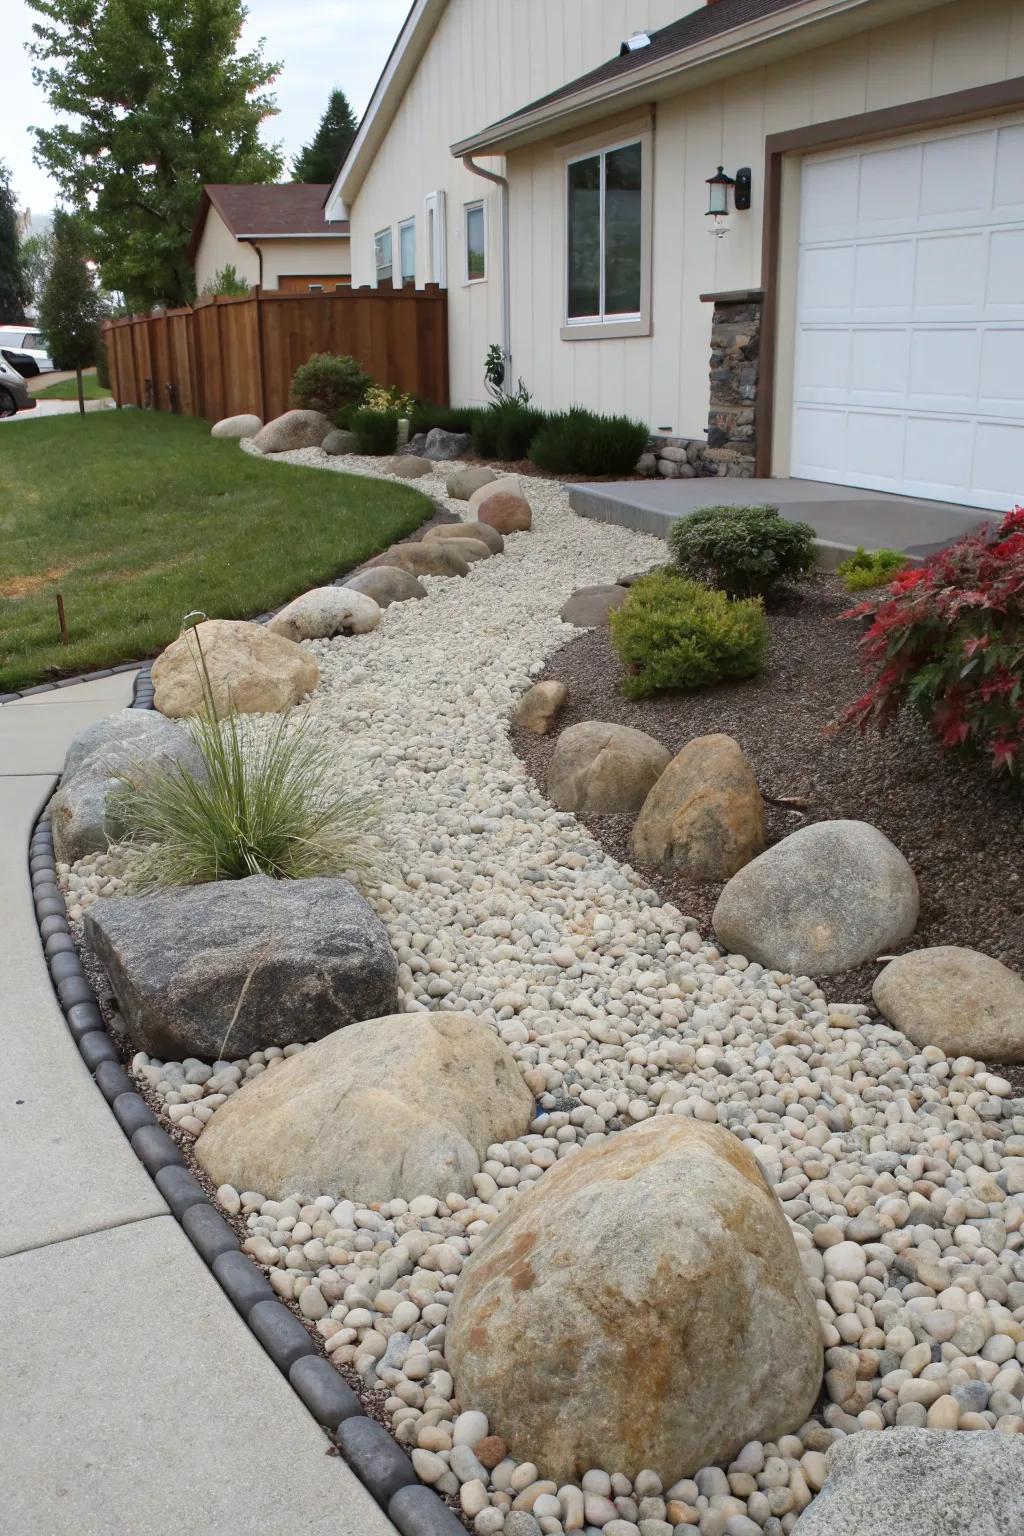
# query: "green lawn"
[67,389]
[138,518]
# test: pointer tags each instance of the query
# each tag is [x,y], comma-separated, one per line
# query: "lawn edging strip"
[369,1450]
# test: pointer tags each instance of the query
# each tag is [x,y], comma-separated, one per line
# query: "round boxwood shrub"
[376,431]
[579,442]
[673,632]
[748,551]
[328,383]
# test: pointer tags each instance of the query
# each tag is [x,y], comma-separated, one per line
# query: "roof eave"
[744,47]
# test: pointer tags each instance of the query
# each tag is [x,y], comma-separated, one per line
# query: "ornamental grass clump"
[265,804]
[863,570]
[580,442]
[747,551]
[672,632]
[947,639]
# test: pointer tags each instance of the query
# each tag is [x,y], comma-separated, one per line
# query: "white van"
[26,338]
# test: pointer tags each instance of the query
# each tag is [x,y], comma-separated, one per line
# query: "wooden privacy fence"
[233,355]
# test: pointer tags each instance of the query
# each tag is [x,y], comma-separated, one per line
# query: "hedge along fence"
[231,355]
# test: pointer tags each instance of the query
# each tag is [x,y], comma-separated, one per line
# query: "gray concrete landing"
[842,516]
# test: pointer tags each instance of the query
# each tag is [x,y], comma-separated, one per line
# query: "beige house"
[274,236]
[859,304]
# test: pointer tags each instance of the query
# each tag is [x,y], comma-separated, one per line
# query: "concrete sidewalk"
[135,1400]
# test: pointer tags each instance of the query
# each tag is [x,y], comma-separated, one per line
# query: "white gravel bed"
[901,1171]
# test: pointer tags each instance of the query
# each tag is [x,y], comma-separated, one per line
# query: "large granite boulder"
[920,1482]
[101,762]
[224,969]
[539,707]
[824,899]
[340,442]
[326,612]
[386,584]
[705,815]
[249,667]
[442,446]
[643,1306]
[390,1109]
[598,768]
[462,482]
[431,557]
[295,429]
[964,1002]
[592,607]
[236,426]
[480,531]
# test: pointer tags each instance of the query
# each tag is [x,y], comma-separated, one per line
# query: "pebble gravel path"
[901,1171]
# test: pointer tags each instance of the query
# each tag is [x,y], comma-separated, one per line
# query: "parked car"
[14,395]
[27,338]
[22,362]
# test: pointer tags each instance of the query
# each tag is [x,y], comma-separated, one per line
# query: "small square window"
[476,243]
[382,256]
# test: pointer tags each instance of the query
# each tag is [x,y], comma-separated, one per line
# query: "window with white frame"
[476,242]
[605,236]
[407,252]
[435,207]
[382,256]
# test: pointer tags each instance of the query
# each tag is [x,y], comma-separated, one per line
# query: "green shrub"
[268,804]
[451,418]
[505,432]
[748,551]
[580,442]
[672,632]
[863,571]
[102,362]
[226,284]
[329,383]
[376,431]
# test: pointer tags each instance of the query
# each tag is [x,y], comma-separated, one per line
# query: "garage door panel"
[950,279]
[957,176]
[943,368]
[938,455]
[823,364]
[1004,297]
[998,468]
[829,202]
[883,279]
[1008,197]
[879,364]
[826,281]
[874,444]
[819,442]
[999,385]
[889,186]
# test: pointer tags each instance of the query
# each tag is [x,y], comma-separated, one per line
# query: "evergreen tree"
[162,103]
[319,160]
[71,308]
[15,290]
[35,255]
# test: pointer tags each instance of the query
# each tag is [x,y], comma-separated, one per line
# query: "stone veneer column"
[735,345]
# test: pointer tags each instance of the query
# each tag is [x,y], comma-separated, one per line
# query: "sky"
[322,43]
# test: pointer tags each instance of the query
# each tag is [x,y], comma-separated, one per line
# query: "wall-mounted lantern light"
[719,187]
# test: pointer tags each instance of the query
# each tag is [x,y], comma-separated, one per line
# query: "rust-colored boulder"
[506,512]
[704,816]
[643,1306]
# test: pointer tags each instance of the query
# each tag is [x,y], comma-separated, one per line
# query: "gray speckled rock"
[598,768]
[389,1109]
[386,584]
[442,446]
[295,429]
[326,612]
[100,760]
[339,441]
[311,956]
[966,1003]
[824,899]
[920,1482]
[236,426]
[643,1306]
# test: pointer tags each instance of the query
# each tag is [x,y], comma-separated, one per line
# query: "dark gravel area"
[960,829]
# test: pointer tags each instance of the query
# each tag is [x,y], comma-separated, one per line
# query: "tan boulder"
[470,550]
[388,1109]
[599,768]
[326,612]
[643,1306]
[482,531]
[506,512]
[295,429]
[966,1003]
[425,559]
[407,466]
[249,668]
[590,607]
[498,485]
[466,479]
[386,584]
[704,816]
[539,707]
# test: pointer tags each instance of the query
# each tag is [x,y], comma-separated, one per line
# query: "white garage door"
[910,318]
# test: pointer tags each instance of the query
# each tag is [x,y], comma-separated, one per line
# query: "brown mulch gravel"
[962,831]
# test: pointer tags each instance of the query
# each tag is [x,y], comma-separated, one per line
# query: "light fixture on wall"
[719,187]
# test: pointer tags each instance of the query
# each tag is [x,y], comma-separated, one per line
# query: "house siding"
[219,248]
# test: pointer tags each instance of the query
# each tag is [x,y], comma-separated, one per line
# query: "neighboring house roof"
[418,28]
[714,40]
[252,211]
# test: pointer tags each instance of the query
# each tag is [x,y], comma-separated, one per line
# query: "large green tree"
[71,307]
[15,289]
[162,101]
[318,161]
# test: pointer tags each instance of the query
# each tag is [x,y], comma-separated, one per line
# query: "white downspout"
[506,281]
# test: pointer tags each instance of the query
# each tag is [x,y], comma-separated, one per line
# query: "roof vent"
[634,44]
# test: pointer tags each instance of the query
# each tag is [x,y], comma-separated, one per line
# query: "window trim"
[409,223]
[378,267]
[467,209]
[597,328]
